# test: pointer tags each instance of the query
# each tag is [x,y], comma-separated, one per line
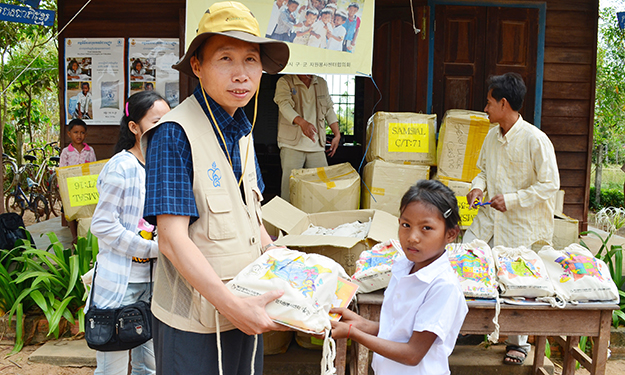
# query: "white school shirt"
[337,45]
[428,300]
[319,29]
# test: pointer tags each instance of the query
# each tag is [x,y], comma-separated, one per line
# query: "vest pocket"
[221,223]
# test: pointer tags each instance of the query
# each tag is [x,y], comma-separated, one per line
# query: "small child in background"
[302,30]
[335,38]
[76,152]
[423,308]
[320,29]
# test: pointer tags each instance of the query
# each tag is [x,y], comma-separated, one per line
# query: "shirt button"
[253,240]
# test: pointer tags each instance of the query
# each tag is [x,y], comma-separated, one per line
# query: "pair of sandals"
[514,359]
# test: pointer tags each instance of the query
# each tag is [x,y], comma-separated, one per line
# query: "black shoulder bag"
[122,328]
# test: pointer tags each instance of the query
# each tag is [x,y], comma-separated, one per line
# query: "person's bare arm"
[247,314]
[336,140]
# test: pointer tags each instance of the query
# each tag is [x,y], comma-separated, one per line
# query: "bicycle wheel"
[14,204]
[53,195]
[39,206]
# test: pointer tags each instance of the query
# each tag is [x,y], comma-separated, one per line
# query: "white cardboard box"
[565,231]
[386,182]
[282,218]
[332,188]
[402,136]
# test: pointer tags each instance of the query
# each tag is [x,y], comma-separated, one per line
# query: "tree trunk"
[598,171]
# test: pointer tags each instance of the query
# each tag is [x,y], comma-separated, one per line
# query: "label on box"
[408,137]
[466,212]
[82,190]
[377,191]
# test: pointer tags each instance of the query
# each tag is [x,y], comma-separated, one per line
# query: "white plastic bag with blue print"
[475,267]
[309,282]
[578,276]
[373,267]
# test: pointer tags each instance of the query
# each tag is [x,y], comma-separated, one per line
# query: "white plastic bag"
[521,273]
[475,268]
[577,275]
[373,267]
[309,282]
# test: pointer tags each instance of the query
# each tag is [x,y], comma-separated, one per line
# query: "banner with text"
[94,84]
[324,36]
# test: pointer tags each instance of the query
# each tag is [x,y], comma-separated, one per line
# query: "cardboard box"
[80,196]
[565,231]
[276,342]
[402,137]
[461,189]
[460,140]
[333,188]
[281,217]
[386,182]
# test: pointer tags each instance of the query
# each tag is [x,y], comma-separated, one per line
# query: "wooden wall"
[401,72]
[113,19]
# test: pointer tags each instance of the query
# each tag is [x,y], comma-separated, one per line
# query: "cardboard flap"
[562,216]
[314,241]
[282,214]
[384,226]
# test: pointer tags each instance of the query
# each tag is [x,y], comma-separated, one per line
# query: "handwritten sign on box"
[82,190]
[466,212]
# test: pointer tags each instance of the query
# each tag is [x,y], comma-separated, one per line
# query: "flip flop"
[515,360]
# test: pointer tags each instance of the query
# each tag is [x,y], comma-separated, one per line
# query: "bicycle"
[44,174]
[17,201]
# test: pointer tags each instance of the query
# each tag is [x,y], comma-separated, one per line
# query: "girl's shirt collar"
[72,148]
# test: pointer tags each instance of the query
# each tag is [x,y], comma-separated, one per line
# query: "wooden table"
[566,325]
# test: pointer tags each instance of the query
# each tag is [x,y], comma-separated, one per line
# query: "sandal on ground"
[512,359]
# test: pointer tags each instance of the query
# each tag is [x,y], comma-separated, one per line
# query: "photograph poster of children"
[95,79]
[149,67]
[324,36]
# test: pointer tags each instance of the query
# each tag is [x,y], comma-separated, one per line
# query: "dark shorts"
[187,353]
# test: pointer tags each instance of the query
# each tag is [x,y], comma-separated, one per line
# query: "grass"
[612,177]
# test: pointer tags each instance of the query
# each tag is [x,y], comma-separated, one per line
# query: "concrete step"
[480,360]
[65,352]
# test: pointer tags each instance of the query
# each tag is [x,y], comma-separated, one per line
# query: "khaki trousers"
[293,159]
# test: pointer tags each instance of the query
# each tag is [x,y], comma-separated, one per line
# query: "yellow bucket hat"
[235,20]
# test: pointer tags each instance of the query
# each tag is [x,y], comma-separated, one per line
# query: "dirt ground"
[19,364]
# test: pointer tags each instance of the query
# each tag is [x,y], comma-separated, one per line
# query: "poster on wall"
[94,81]
[324,36]
[149,67]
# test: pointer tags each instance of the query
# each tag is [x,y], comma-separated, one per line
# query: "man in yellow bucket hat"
[203,192]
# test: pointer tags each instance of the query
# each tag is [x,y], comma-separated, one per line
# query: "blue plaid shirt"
[169,165]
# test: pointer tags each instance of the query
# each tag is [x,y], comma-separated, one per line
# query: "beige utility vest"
[227,231]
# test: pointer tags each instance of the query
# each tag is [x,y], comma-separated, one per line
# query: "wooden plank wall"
[569,96]
[113,19]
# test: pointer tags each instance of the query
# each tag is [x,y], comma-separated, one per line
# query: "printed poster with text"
[324,36]
[149,67]
[94,81]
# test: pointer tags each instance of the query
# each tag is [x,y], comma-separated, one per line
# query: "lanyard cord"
[247,153]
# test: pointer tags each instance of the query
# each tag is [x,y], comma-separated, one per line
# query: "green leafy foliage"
[609,198]
[48,279]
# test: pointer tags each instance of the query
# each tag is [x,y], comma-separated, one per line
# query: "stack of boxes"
[401,147]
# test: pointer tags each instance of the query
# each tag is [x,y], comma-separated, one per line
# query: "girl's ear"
[452,234]
[134,127]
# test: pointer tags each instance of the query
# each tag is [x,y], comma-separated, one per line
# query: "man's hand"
[498,203]
[308,129]
[473,195]
[334,145]
[249,314]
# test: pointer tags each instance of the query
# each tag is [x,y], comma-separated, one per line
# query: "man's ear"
[195,65]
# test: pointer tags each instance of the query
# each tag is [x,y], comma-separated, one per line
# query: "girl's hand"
[340,330]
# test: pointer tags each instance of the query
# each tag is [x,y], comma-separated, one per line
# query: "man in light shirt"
[519,173]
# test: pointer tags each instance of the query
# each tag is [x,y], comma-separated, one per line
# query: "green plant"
[609,198]
[611,219]
[51,280]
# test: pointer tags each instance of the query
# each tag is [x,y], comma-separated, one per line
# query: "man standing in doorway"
[305,108]
[518,171]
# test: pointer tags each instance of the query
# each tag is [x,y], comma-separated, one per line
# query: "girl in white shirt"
[423,308]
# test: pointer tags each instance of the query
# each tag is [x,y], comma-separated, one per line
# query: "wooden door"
[475,42]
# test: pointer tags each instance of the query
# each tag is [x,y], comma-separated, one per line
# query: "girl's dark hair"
[134,64]
[436,194]
[136,108]
[75,122]
[72,62]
